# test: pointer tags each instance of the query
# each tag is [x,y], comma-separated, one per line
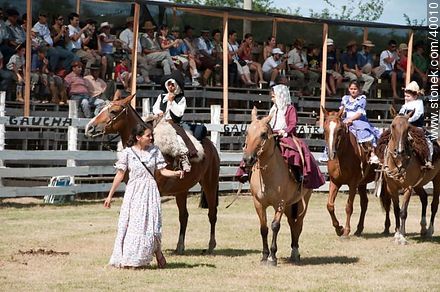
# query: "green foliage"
[363,10]
[414,22]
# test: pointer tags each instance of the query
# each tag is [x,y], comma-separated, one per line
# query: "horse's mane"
[418,143]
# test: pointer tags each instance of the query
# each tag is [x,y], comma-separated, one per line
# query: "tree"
[414,22]
[363,10]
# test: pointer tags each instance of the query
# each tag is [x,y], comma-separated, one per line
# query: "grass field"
[86,231]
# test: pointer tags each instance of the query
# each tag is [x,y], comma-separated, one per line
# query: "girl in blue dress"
[355,117]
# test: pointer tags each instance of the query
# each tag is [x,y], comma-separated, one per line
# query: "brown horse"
[347,164]
[272,185]
[120,117]
[403,170]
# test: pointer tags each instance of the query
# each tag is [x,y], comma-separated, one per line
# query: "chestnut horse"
[272,185]
[347,164]
[403,170]
[120,117]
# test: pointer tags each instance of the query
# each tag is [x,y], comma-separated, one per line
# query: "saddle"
[417,141]
[165,137]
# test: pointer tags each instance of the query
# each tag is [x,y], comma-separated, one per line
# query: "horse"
[271,184]
[403,170]
[120,117]
[347,164]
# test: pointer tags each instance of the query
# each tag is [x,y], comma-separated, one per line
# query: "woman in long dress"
[140,221]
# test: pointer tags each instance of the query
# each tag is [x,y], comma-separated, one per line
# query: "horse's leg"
[385,199]
[210,190]
[276,224]
[396,209]
[261,212]
[183,219]
[404,215]
[349,209]
[434,204]
[332,193]
[424,200]
[364,205]
[295,217]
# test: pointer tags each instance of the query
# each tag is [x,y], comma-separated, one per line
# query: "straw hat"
[330,42]
[149,25]
[368,43]
[413,87]
[105,24]
[403,47]
[277,51]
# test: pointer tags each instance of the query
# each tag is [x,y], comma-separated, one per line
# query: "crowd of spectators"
[83,60]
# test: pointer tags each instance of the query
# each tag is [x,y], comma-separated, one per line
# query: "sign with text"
[300,129]
[39,121]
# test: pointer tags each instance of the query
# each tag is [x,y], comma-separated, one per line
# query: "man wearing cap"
[77,88]
[152,51]
[16,32]
[365,59]
[273,65]
[334,78]
[297,61]
[99,91]
[352,70]
[388,62]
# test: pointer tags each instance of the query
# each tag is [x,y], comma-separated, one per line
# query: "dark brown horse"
[272,185]
[120,117]
[347,164]
[404,171]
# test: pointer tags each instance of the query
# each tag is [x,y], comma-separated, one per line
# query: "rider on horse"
[171,104]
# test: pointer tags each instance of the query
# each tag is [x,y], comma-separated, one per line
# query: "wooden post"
[274,28]
[324,73]
[137,9]
[174,16]
[2,126]
[215,120]
[145,107]
[78,6]
[225,68]
[72,134]
[409,60]
[365,34]
[27,78]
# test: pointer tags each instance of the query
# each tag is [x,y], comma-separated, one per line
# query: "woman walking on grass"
[140,221]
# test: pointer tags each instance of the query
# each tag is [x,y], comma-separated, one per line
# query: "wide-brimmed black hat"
[176,75]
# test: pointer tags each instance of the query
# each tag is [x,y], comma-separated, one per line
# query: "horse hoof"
[295,257]
[339,230]
[180,250]
[271,263]
[358,232]
[386,232]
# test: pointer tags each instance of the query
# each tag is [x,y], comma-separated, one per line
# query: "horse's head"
[398,144]
[334,129]
[110,119]
[258,139]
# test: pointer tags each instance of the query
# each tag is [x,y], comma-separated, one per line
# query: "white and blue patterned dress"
[140,221]
[361,128]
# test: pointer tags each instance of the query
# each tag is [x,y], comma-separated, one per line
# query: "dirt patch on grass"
[41,251]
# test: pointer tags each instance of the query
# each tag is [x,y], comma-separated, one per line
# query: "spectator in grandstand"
[208,61]
[365,60]
[334,77]
[126,38]
[77,88]
[403,58]
[16,66]
[314,64]
[91,45]
[180,53]
[16,33]
[245,49]
[269,45]
[299,68]
[77,37]
[123,74]
[6,79]
[152,51]
[421,64]
[234,53]
[190,43]
[5,48]
[392,70]
[351,69]
[273,65]
[106,41]
[99,90]
[40,75]
[60,38]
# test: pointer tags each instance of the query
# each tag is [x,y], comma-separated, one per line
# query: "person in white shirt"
[77,37]
[273,65]
[388,61]
[171,106]
[299,67]
[126,37]
[413,103]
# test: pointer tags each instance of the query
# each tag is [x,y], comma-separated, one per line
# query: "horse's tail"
[204,203]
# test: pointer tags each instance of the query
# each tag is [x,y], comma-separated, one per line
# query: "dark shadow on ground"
[420,239]
[377,235]
[19,205]
[228,252]
[180,265]
[317,261]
